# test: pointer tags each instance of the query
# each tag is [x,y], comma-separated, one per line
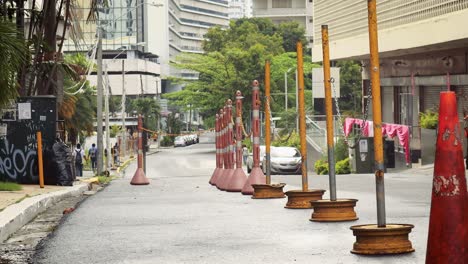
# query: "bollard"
[139,178]
[256,175]
[218,176]
[238,178]
[300,199]
[40,163]
[381,238]
[216,171]
[229,148]
[333,210]
[268,190]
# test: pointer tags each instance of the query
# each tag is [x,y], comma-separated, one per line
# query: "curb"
[17,215]
[125,164]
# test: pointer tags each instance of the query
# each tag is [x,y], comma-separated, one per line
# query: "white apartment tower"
[240,8]
[286,10]
[180,26]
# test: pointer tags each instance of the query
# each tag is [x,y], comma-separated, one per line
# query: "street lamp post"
[286,88]
[99,102]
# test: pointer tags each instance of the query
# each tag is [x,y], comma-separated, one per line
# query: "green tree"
[292,32]
[78,108]
[149,108]
[234,58]
[350,82]
[13,53]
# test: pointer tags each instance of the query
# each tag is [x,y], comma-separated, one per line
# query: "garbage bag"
[58,169]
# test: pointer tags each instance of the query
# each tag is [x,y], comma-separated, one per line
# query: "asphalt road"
[180,218]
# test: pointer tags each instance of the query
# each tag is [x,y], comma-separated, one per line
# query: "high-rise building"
[180,26]
[423,51]
[240,8]
[123,26]
[280,11]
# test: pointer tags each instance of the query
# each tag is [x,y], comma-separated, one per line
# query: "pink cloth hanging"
[390,130]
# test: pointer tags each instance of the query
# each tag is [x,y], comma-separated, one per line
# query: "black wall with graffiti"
[18,143]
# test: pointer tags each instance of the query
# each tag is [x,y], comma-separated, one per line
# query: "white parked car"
[250,159]
[284,160]
[180,142]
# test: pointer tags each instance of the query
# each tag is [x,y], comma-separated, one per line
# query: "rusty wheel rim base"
[341,210]
[268,191]
[389,240]
[298,199]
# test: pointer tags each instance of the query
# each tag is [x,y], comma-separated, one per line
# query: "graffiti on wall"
[18,142]
[17,162]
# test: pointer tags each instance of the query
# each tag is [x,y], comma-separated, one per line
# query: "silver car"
[284,160]
[180,142]
[249,162]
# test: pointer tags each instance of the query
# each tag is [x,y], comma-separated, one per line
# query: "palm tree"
[78,95]
[13,53]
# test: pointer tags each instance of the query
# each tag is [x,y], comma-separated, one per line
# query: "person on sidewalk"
[116,154]
[92,154]
[78,156]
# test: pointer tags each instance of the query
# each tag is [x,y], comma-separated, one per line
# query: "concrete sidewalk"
[18,208]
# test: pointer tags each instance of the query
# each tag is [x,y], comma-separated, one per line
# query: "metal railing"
[316,133]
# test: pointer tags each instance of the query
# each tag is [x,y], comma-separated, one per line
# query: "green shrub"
[341,149]
[342,167]
[321,167]
[248,143]
[167,141]
[114,130]
[288,140]
[429,119]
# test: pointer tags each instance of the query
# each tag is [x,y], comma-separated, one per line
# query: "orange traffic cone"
[448,224]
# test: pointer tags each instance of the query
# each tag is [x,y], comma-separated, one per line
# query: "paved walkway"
[180,218]
[8,198]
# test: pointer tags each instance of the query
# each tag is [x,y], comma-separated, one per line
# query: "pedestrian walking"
[116,154]
[78,156]
[92,154]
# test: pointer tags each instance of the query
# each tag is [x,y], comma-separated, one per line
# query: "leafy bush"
[114,130]
[167,141]
[341,149]
[321,167]
[288,140]
[429,119]
[342,167]
[248,143]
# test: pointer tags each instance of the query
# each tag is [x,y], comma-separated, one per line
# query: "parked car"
[249,162]
[284,160]
[180,142]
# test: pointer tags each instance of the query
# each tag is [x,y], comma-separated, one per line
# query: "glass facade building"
[121,22]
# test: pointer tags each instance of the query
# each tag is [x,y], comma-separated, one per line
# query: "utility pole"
[99,103]
[286,91]
[106,110]
[124,114]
